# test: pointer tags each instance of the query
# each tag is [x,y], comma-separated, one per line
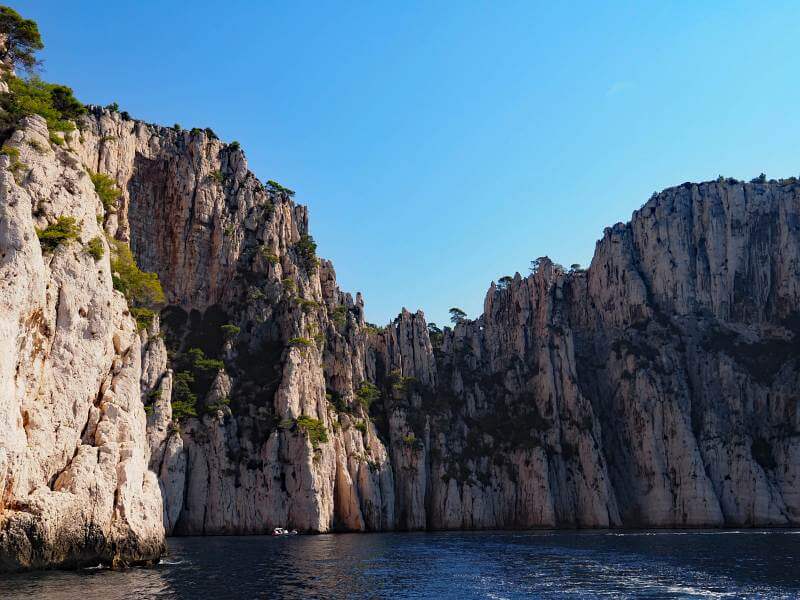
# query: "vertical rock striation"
[654,389]
[74,484]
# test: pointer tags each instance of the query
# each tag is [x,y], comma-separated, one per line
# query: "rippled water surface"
[651,564]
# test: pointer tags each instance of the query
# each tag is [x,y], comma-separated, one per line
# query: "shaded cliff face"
[656,388]
[279,437]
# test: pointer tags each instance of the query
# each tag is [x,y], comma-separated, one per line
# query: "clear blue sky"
[440,145]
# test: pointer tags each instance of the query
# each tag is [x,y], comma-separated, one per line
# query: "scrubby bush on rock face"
[300,342]
[184,400]
[367,393]
[55,103]
[230,331]
[194,375]
[16,166]
[373,329]
[306,249]
[64,230]
[435,334]
[142,289]
[339,316]
[107,190]
[144,317]
[314,428]
[95,248]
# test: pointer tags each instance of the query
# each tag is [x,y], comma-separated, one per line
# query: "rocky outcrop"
[653,389]
[74,481]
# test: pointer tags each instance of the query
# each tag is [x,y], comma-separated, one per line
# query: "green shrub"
[401,384]
[307,306]
[197,361]
[11,152]
[435,334]
[142,289]
[144,317]
[289,284]
[16,167]
[184,400]
[55,103]
[56,139]
[367,393]
[95,248]
[230,331]
[335,398]
[361,426]
[300,342]
[113,107]
[269,255]
[234,145]
[314,428]
[217,176]
[339,316]
[37,146]
[64,230]
[254,294]
[306,250]
[319,339]
[106,189]
[195,373]
[373,329]
[215,406]
[274,186]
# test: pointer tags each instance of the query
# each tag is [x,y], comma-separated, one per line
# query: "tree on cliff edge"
[22,40]
[457,315]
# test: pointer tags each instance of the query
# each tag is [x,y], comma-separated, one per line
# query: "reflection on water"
[653,564]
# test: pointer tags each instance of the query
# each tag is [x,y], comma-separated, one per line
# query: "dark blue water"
[648,564]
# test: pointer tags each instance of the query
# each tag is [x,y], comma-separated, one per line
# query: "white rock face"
[73,456]
[629,394]
[654,389]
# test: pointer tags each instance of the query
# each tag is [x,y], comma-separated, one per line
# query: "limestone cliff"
[75,487]
[655,388]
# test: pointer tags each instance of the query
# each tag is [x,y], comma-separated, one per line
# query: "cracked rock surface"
[656,388]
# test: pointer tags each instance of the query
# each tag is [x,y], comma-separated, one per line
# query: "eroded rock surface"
[74,481]
[655,388]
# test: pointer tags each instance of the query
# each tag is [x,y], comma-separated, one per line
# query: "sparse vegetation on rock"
[64,230]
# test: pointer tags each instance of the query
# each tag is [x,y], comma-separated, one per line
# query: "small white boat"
[282,531]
